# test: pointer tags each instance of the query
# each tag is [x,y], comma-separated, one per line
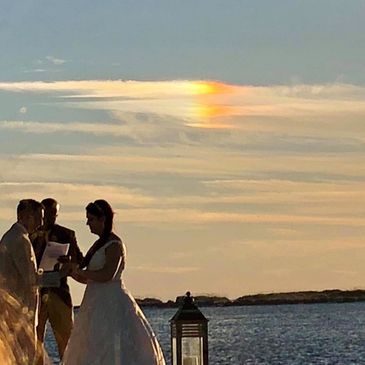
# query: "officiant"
[55,302]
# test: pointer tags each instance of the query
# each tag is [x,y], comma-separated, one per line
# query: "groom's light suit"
[18,272]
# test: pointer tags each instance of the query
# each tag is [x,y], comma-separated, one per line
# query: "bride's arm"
[112,257]
[75,275]
[71,268]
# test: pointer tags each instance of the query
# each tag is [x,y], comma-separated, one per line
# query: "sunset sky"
[229,136]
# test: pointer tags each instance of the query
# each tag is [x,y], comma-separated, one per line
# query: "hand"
[67,269]
[74,269]
[77,274]
[64,259]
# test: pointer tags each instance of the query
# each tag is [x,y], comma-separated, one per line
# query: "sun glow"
[211,103]
[197,103]
[211,88]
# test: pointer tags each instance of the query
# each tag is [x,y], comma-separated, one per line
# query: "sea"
[283,334]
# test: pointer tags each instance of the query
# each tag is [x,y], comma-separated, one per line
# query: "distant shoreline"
[300,297]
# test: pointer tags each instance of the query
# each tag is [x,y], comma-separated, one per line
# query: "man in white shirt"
[18,271]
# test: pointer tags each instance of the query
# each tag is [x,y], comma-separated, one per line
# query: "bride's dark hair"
[101,209]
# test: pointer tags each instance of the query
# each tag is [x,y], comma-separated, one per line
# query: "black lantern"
[189,335]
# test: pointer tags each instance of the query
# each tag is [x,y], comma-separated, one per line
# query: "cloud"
[46,65]
[139,128]
[55,61]
[139,206]
[74,194]
[56,127]
[202,169]
[35,70]
[206,104]
[282,156]
[165,269]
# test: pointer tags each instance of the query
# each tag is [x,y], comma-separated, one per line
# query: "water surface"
[285,334]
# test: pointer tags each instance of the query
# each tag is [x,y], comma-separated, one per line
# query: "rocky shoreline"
[302,297]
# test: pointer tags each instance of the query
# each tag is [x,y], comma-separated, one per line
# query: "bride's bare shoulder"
[115,240]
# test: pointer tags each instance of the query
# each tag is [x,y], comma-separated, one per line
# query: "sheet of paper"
[51,253]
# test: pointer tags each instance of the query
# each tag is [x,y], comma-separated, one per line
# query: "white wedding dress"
[110,328]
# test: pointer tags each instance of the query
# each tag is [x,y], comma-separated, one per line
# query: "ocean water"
[285,334]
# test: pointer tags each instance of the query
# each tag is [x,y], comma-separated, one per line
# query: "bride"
[110,328]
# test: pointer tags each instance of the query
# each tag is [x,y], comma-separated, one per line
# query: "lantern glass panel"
[174,351]
[192,351]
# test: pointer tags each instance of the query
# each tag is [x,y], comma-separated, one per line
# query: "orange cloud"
[211,88]
[210,103]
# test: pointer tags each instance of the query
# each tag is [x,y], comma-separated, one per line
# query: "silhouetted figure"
[18,274]
[110,328]
[55,304]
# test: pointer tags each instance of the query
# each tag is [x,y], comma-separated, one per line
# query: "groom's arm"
[25,263]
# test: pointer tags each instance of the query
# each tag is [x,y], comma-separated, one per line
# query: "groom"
[18,269]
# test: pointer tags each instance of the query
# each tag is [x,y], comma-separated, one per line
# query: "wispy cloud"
[35,70]
[199,163]
[136,206]
[74,194]
[166,270]
[46,64]
[278,168]
[56,127]
[56,61]
[206,104]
